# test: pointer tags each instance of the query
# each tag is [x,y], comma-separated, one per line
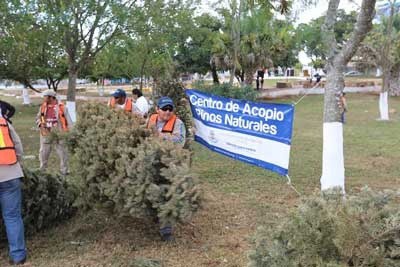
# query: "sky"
[305,16]
[319,9]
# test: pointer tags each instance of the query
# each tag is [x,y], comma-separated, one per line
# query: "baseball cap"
[119,93]
[49,92]
[165,101]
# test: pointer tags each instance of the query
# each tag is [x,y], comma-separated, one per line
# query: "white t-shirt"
[142,105]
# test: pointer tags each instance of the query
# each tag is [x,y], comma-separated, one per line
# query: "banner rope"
[289,182]
[306,93]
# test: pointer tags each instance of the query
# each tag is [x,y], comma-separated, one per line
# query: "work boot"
[167,238]
[166,234]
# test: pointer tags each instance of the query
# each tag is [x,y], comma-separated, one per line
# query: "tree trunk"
[383,97]
[249,76]
[71,92]
[72,76]
[333,172]
[48,83]
[56,83]
[395,81]
[236,11]
[101,87]
[240,77]
[142,72]
[25,96]
[233,70]
[27,84]
[386,67]
[52,83]
[155,92]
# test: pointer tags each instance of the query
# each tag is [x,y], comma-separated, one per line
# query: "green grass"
[238,197]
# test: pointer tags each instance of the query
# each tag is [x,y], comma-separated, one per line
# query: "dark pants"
[260,79]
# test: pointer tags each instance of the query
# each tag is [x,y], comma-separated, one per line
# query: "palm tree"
[249,40]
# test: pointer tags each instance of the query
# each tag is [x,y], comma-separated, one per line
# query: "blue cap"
[165,101]
[119,93]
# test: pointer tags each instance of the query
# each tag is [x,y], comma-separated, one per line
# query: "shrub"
[121,167]
[363,230]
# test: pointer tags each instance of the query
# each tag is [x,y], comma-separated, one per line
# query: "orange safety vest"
[128,104]
[8,156]
[168,126]
[61,115]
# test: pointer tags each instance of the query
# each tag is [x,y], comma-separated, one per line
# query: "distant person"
[7,110]
[52,116]
[317,78]
[260,78]
[120,101]
[10,191]
[342,106]
[141,104]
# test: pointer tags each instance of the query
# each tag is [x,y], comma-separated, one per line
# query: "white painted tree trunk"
[72,76]
[72,110]
[332,156]
[333,174]
[25,97]
[384,106]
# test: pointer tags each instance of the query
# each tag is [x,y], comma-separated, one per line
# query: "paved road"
[266,93]
[276,93]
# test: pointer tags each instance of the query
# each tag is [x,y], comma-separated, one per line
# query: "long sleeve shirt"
[178,134]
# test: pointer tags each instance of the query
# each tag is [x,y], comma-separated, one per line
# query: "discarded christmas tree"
[122,167]
[46,200]
[361,230]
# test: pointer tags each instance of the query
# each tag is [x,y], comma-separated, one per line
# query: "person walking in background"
[141,104]
[343,106]
[260,78]
[10,190]
[52,116]
[318,78]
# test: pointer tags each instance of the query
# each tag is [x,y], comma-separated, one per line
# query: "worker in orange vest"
[10,190]
[166,124]
[52,116]
[120,101]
